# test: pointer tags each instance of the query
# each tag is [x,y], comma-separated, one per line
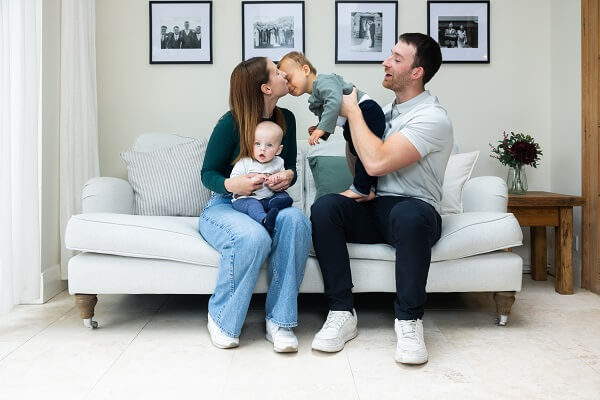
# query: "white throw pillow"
[167,181]
[458,171]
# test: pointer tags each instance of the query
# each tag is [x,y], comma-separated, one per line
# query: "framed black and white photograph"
[462,28]
[180,32]
[272,28]
[365,32]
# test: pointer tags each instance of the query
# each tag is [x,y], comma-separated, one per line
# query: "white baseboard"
[52,283]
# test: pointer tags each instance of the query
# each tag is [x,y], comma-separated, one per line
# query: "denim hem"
[224,330]
[281,324]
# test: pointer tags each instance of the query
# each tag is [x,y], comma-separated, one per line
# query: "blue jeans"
[244,245]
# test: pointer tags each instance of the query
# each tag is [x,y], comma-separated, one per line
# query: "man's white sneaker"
[219,338]
[283,339]
[339,328]
[410,348]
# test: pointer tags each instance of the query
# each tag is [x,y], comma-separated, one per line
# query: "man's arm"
[378,157]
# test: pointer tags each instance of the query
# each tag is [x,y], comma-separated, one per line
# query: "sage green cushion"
[331,174]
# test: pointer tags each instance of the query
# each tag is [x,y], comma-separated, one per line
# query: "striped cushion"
[167,181]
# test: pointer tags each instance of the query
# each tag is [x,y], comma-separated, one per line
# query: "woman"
[255,87]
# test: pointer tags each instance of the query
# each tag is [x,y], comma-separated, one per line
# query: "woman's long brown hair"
[247,103]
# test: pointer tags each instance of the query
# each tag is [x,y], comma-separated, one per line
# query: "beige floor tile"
[156,346]
[68,357]
[26,321]
[8,347]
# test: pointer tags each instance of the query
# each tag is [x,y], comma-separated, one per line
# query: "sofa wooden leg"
[504,302]
[86,303]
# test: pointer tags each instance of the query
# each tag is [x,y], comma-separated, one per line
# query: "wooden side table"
[538,210]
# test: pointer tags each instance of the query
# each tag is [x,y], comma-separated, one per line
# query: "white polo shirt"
[425,123]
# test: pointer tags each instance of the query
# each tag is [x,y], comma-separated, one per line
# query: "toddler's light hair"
[299,58]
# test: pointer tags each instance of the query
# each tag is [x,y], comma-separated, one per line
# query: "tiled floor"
[157,347]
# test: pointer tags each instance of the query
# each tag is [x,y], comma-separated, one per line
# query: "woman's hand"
[282,181]
[244,185]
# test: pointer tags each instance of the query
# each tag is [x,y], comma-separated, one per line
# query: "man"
[410,161]
[372,33]
[451,36]
[174,39]
[164,37]
[198,38]
[187,36]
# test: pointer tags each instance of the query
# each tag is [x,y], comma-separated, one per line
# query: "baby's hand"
[258,178]
[275,179]
[311,129]
[314,137]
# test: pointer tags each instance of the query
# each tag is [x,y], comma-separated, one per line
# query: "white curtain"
[20,178]
[78,110]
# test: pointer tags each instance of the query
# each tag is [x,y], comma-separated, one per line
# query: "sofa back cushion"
[458,171]
[165,175]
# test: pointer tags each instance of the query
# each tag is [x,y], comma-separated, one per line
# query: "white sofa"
[135,254]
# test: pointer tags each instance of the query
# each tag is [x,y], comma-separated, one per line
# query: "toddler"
[263,205]
[325,101]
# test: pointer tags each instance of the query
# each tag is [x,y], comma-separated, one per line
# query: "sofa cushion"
[169,238]
[331,174]
[167,181]
[458,171]
[177,238]
[463,235]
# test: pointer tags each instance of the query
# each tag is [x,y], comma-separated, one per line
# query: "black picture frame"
[365,31]
[470,43]
[182,48]
[272,28]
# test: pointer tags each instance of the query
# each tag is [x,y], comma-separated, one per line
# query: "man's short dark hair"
[428,55]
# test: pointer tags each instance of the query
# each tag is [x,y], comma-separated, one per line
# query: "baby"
[325,101]
[263,205]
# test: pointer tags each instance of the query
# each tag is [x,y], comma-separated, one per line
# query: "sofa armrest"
[105,194]
[485,193]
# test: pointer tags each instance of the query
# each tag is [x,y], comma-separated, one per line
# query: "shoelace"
[408,329]
[336,320]
[282,329]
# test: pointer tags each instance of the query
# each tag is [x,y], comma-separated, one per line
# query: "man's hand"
[280,181]
[349,103]
[314,137]
[244,185]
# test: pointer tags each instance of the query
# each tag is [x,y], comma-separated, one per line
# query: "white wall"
[512,93]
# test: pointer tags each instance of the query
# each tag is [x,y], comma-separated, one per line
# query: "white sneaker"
[283,339]
[219,338]
[411,344]
[339,327]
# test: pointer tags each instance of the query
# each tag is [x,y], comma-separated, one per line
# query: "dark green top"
[224,147]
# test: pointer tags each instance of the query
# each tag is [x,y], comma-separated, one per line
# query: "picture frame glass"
[272,29]
[365,31]
[180,32]
[461,29]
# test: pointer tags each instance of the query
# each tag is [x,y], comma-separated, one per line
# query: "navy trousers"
[410,225]
[257,209]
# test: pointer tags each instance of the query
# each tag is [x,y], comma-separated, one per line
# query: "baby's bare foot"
[359,198]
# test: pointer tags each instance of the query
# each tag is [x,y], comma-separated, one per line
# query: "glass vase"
[516,180]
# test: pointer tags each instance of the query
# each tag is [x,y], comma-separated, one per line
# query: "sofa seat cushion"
[463,235]
[168,238]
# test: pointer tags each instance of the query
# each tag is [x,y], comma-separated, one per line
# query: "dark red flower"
[523,152]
